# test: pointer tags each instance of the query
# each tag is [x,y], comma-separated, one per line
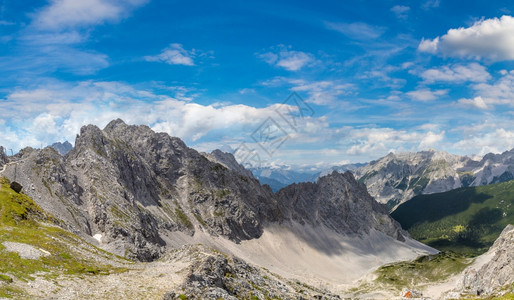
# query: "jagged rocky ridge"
[494,271]
[130,188]
[320,203]
[397,178]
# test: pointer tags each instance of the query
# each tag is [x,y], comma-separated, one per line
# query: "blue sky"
[370,76]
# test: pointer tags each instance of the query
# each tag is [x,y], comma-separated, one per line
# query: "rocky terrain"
[228,161]
[3,157]
[320,203]
[214,275]
[397,178]
[493,272]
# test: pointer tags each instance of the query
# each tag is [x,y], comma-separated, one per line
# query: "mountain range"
[136,191]
[278,177]
[397,178]
[214,231]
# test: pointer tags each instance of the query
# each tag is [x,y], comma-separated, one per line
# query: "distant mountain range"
[278,177]
[397,178]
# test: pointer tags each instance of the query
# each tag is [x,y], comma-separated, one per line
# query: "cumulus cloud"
[495,141]
[425,94]
[288,59]
[457,73]
[175,54]
[489,39]
[64,14]
[431,140]
[476,102]
[379,141]
[357,31]
[56,111]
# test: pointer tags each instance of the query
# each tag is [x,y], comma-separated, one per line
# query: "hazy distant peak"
[62,148]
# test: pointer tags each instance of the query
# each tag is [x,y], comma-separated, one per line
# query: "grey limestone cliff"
[340,203]
[494,272]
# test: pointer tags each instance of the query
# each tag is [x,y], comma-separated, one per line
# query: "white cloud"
[476,102]
[175,54]
[431,4]
[288,59]
[431,140]
[65,14]
[473,72]
[357,31]
[6,23]
[325,92]
[52,42]
[490,39]
[400,11]
[429,46]
[379,141]
[56,111]
[425,94]
[487,96]
[499,93]
[496,141]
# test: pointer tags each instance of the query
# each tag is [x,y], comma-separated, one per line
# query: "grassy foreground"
[22,221]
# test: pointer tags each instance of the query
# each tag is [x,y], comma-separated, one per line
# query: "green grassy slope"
[465,220]
[22,221]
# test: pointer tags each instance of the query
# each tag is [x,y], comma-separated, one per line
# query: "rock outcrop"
[340,203]
[228,160]
[3,157]
[218,276]
[493,271]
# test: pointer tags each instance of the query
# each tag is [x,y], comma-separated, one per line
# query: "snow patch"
[98,237]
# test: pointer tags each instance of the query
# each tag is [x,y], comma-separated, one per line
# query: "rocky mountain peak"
[340,203]
[229,161]
[62,148]
[114,124]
